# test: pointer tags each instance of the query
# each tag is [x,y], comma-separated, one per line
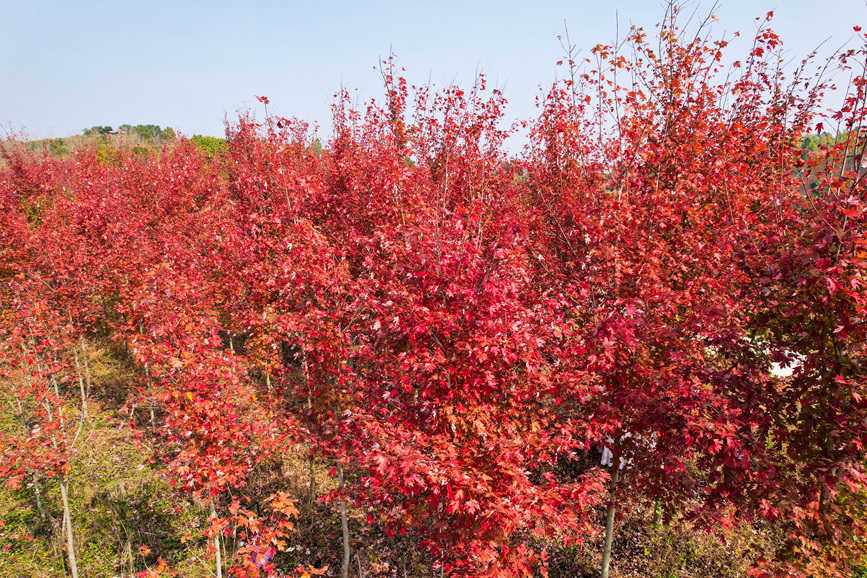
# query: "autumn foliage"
[458,326]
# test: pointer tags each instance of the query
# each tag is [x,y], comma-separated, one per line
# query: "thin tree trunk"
[217,544]
[657,513]
[129,557]
[67,519]
[39,506]
[64,488]
[150,391]
[150,397]
[57,546]
[609,524]
[310,409]
[24,427]
[85,383]
[828,448]
[312,481]
[80,385]
[344,525]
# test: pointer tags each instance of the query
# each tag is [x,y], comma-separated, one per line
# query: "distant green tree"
[58,147]
[210,145]
[148,132]
[96,130]
[810,144]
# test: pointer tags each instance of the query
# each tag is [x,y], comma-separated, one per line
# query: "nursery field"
[635,348]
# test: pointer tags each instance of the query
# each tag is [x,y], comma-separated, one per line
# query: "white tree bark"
[344,525]
[609,524]
[217,544]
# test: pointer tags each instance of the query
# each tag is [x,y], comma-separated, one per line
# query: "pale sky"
[66,65]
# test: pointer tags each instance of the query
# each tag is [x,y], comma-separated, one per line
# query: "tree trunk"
[344,525]
[310,409]
[129,557]
[824,494]
[39,506]
[67,519]
[609,524]
[312,481]
[150,390]
[150,397]
[828,448]
[217,544]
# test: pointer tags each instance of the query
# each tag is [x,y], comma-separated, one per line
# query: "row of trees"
[455,326]
[145,132]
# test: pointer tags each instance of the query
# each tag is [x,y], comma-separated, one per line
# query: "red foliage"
[458,325]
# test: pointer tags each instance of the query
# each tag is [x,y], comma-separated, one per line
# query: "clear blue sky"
[66,65]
